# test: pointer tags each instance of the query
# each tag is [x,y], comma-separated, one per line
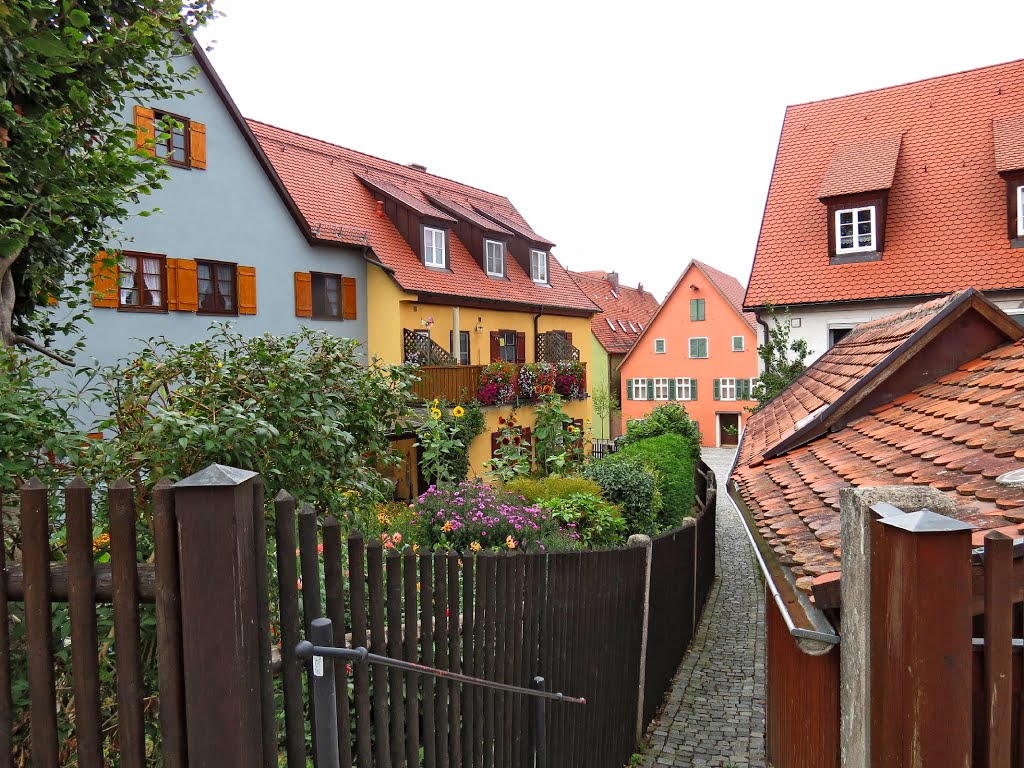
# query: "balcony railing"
[460,383]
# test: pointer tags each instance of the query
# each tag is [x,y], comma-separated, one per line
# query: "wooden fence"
[575,618]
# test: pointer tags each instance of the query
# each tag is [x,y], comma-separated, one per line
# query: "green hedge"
[536,489]
[629,482]
[672,457]
[670,418]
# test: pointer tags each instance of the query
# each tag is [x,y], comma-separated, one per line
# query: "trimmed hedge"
[672,457]
[535,489]
[629,482]
[670,418]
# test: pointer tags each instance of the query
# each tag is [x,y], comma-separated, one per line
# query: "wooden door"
[728,429]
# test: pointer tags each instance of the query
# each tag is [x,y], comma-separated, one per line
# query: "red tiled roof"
[731,288]
[866,167]
[833,374]
[946,226]
[467,214]
[322,179]
[619,307]
[1008,135]
[957,434]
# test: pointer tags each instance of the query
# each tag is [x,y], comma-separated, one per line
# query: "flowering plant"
[511,453]
[571,379]
[440,443]
[497,383]
[472,516]
[534,378]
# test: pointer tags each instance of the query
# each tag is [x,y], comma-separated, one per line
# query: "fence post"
[325,702]
[642,540]
[219,617]
[540,744]
[920,641]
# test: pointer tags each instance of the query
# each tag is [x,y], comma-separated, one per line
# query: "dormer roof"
[865,167]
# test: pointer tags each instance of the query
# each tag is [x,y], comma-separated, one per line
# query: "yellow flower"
[100,542]
[416,548]
[510,542]
[447,526]
[458,412]
[475,546]
[435,414]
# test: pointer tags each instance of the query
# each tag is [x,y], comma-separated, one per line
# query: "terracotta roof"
[731,288]
[467,214]
[619,307]
[1008,135]
[322,179]
[855,358]
[865,167]
[957,435]
[946,226]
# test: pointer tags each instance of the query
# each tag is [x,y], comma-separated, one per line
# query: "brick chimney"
[613,279]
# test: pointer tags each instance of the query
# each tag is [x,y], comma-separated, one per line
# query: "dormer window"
[539,266]
[855,230]
[434,251]
[494,258]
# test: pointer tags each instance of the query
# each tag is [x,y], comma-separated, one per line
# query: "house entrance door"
[728,429]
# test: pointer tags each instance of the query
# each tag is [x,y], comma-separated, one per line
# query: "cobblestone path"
[715,713]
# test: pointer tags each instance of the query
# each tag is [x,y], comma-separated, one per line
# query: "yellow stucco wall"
[392,310]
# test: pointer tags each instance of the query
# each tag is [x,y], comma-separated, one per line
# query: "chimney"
[418,167]
[380,209]
[640,287]
[613,278]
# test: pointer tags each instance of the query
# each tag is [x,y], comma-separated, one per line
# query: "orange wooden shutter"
[495,346]
[197,150]
[188,286]
[247,290]
[172,283]
[145,129]
[520,347]
[348,298]
[303,295]
[104,281]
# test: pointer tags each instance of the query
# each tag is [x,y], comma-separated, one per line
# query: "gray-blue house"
[227,243]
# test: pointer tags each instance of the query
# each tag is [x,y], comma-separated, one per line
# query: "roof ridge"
[969,70]
[374,157]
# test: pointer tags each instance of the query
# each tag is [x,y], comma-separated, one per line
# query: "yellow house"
[442,256]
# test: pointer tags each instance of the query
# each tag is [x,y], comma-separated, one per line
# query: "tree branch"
[25,341]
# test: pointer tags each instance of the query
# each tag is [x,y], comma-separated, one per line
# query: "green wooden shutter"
[629,389]
[693,347]
[693,389]
[742,389]
[671,389]
[693,309]
[650,389]
[718,391]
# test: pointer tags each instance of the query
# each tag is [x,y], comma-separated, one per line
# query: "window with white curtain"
[661,389]
[141,277]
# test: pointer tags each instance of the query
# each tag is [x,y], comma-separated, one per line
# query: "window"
[463,346]
[659,346]
[639,389]
[855,230]
[539,266]
[738,344]
[1020,211]
[686,389]
[218,283]
[699,346]
[1017,318]
[835,335]
[507,345]
[174,148]
[661,389]
[696,309]
[142,278]
[727,389]
[434,248]
[327,297]
[494,258]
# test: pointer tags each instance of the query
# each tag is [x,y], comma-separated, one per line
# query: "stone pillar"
[642,540]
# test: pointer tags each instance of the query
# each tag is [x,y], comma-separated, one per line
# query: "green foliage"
[440,446]
[670,418]
[628,482]
[782,358]
[71,169]
[466,429]
[671,456]
[554,436]
[540,489]
[512,454]
[303,410]
[603,403]
[598,523]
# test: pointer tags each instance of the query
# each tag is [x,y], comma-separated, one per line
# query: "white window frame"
[539,265]
[494,251]
[727,385]
[661,389]
[855,248]
[684,389]
[743,344]
[431,249]
[1020,211]
[640,384]
[659,343]
[707,352]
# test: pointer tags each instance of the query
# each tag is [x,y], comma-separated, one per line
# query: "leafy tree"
[603,403]
[782,358]
[69,164]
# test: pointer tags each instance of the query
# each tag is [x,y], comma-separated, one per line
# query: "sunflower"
[458,411]
[547,390]
[435,414]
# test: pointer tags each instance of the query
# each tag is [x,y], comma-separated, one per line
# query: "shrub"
[665,419]
[469,517]
[535,489]
[670,455]
[630,483]
[598,523]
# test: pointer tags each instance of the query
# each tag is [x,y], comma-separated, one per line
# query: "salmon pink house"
[700,350]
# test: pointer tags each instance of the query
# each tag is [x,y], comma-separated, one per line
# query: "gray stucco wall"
[228,212]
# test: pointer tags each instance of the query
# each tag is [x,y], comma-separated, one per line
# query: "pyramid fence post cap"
[926,521]
[216,476]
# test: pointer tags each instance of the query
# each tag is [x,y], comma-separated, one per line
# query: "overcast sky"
[635,136]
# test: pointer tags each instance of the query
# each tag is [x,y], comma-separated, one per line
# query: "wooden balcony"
[454,383]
